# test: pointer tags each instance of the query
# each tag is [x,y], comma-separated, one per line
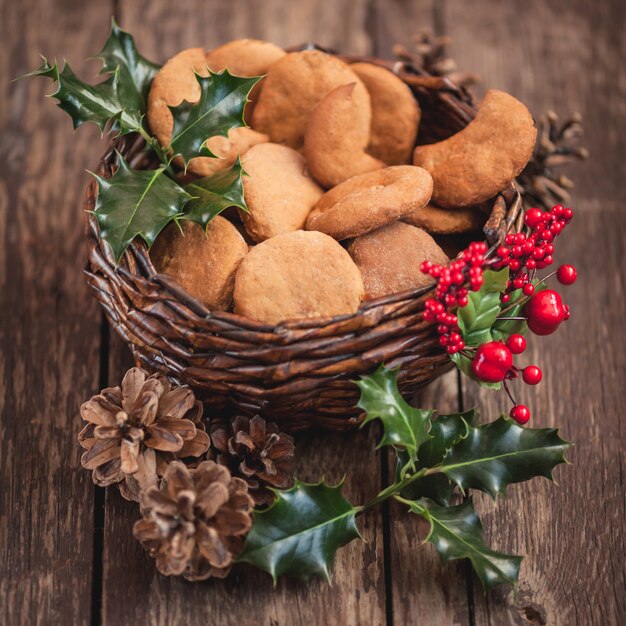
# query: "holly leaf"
[300,533]
[136,203]
[457,533]
[135,72]
[213,194]
[495,455]
[219,109]
[479,315]
[446,431]
[403,425]
[100,104]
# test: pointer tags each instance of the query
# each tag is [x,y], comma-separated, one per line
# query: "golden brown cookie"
[390,258]
[176,82]
[446,221]
[369,201]
[278,190]
[244,57]
[395,114]
[203,264]
[336,137]
[297,275]
[480,160]
[293,87]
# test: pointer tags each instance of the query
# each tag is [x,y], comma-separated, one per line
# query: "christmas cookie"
[175,82]
[244,57]
[297,275]
[293,87]
[480,160]
[336,137]
[446,221]
[395,114]
[369,201]
[279,192]
[202,263]
[390,258]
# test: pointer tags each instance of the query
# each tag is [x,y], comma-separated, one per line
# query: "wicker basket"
[298,373]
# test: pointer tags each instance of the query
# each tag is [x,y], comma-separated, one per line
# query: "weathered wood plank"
[567,56]
[133,591]
[49,323]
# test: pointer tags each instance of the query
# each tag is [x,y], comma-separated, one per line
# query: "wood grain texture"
[133,590]
[49,323]
[573,535]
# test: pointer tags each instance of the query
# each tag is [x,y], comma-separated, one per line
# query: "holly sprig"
[440,459]
[139,203]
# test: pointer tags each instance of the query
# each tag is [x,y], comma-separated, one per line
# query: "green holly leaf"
[219,109]
[300,533]
[135,72]
[495,455]
[479,315]
[446,431]
[403,425]
[99,104]
[457,533]
[136,203]
[213,194]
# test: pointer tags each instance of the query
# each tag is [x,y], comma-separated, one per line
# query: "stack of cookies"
[342,205]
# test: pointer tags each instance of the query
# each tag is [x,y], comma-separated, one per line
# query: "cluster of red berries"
[524,254]
[454,283]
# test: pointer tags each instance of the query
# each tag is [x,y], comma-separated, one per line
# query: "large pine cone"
[135,430]
[196,522]
[257,452]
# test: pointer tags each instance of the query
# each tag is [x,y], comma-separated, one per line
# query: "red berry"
[528,289]
[532,375]
[544,312]
[492,361]
[516,344]
[520,413]
[533,217]
[566,274]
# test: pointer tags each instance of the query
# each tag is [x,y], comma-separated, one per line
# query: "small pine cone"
[196,522]
[257,452]
[133,431]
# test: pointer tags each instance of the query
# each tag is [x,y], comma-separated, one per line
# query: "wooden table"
[66,551]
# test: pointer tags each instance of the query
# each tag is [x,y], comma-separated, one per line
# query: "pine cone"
[196,522]
[133,431]
[257,452]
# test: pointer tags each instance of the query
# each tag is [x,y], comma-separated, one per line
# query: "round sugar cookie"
[369,201]
[390,258]
[297,275]
[202,263]
[278,190]
[446,221]
[294,85]
[244,57]
[395,114]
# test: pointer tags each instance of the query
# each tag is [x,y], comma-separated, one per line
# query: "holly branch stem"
[156,147]
[397,487]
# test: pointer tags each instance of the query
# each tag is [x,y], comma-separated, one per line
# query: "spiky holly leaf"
[100,104]
[136,203]
[446,431]
[403,425]
[457,533]
[479,315]
[135,72]
[300,533]
[500,453]
[220,108]
[213,194]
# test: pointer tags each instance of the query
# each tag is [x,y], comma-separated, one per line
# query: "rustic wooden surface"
[66,553]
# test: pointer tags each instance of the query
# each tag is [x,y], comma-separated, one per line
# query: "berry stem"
[508,392]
